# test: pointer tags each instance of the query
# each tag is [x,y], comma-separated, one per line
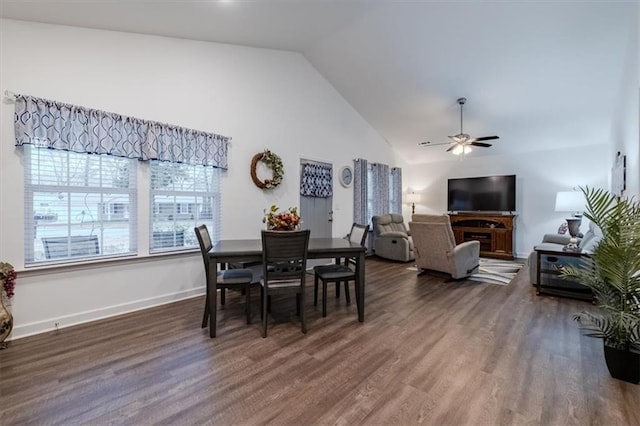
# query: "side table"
[549,281]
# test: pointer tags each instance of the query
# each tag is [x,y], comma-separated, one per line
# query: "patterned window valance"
[56,125]
[316,181]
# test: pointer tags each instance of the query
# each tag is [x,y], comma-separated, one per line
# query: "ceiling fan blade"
[486,138]
[429,143]
[451,147]
[485,145]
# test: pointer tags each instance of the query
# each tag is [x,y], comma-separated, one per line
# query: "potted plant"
[612,272]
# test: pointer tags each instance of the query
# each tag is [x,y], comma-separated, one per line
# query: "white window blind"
[78,206]
[182,196]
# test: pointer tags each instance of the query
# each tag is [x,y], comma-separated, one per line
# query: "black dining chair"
[284,263]
[237,279]
[340,272]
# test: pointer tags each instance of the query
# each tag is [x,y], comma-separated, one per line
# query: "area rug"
[496,271]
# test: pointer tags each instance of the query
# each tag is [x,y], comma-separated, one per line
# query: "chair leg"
[346,292]
[205,317]
[324,298]
[265,302]
[222,296]
[247,290]
[303,315]
[315,289]
[337,289]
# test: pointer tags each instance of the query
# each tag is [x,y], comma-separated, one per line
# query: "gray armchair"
[391,238]
[436,249]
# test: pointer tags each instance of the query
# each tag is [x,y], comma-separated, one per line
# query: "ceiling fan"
[462,142]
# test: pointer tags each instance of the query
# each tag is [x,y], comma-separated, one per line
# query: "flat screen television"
[478,194]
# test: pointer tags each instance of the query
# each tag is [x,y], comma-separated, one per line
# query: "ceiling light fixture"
[461,149]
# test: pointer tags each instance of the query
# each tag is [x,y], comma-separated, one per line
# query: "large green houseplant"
[612,272]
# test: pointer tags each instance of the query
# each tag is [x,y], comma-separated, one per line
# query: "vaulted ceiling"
[541,75]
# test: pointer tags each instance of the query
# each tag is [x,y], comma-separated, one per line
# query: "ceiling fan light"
[461,149]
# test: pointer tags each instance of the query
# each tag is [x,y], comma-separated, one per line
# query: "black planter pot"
[623,365]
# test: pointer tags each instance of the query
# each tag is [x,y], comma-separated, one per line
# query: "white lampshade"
[459,149]
[570,201]
[413,198]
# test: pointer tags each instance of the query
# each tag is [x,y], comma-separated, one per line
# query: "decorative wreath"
[274,162]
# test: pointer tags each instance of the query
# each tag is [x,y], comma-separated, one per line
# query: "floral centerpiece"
[288,220]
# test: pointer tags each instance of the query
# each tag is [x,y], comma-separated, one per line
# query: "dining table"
[250,250]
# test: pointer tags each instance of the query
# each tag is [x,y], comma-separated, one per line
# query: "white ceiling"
[538,74]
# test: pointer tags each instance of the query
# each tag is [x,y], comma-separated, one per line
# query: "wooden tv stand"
[493,230]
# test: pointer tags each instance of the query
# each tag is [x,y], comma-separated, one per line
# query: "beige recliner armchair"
[436,249]
[391,238]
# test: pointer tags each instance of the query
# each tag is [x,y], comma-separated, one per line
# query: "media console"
[493,230]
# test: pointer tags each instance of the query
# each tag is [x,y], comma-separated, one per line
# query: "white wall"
[625,131]
[539,176]
[261,98]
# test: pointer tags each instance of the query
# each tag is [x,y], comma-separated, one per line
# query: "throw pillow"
[563,228]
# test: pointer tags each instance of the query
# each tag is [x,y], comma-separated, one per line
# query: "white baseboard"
[51,324]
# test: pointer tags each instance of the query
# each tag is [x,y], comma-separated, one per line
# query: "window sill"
[37,270]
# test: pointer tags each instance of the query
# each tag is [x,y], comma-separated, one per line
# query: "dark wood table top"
[326,247]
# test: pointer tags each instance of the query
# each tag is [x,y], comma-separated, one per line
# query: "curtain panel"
[56,125]
[360,191]
[316,181]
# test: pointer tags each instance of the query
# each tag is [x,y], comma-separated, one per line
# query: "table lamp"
[413,198]
[571,201]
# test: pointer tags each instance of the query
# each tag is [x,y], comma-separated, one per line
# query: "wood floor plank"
[431,351]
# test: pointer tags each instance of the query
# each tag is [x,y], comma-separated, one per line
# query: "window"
[81,194]
[384,190]
[182,196]
[370,195]
[78,205]
[395,190]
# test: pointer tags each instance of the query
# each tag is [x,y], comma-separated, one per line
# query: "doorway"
[317,210]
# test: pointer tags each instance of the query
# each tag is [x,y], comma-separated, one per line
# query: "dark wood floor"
[429,351]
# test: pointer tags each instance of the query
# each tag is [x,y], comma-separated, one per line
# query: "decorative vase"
[6,323]
[623,365]
[283,228]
